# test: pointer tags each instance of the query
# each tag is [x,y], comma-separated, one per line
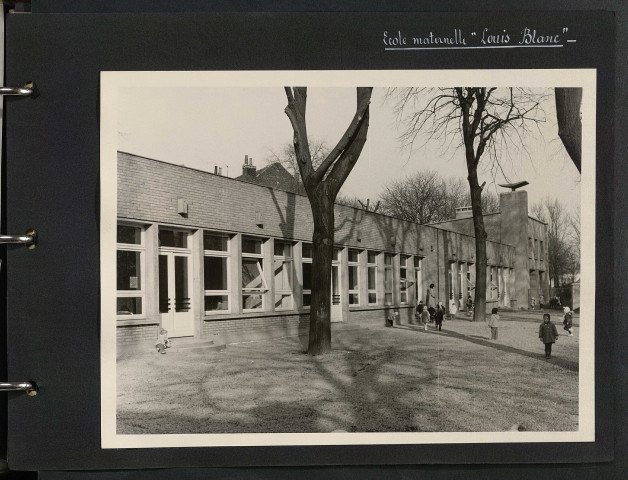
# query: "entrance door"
[175,291]
[336,304]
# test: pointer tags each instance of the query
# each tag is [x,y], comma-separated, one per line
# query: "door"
[175,291]
[336,304]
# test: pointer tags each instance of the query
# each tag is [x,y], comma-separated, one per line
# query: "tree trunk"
[479,313]
[568,102]
[322,252]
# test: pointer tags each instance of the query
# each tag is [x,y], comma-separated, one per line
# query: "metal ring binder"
[29,239]
[29,387]
[28,90]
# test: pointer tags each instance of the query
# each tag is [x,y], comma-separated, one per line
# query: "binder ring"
[28,90]
[29,387]
[29,239]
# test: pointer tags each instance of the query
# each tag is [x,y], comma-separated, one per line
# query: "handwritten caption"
[485,38]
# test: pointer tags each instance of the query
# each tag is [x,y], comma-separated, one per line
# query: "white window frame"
[260,259]
[403,279]
[309,261]
[354,264]
[221,254]
[390,267]
[141,293]
[370,266]
[287,262]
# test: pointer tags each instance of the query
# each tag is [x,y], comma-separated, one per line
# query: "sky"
[203,127]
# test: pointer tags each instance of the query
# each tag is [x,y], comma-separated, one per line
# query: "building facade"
[208,256]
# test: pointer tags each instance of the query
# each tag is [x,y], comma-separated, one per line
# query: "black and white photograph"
[347,257]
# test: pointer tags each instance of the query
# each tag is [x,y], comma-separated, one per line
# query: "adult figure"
[430,298]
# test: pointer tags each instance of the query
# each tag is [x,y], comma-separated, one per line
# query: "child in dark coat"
[439,316]
[547,334]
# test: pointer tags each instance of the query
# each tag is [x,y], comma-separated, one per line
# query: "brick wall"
[136,333]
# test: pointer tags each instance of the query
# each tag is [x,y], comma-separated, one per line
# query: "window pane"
[353,278]
[372,258]
[403,272]
[336,254]
[173,238]
[214,303]
[181,294]
[353,255]
[388,259]
[129,305]
[388,299]
[306,250]
[252,273]
[403,260]
[404,297]
[213,241]
[282,275]
[129,235]
[283,301]
[371,279]
[307,276]
[307,299]
[417,263]
[129,270]
[372,297]
[251,302]
[283,249]
[354,299]
[251,245]
[388,279]
[216,273]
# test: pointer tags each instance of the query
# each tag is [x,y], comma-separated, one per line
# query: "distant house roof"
[274,175]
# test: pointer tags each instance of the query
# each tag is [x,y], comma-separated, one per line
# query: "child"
[419,310]
[162,341]
[568,321]
[493,322]
[548,334]
[425,318]
[440,315]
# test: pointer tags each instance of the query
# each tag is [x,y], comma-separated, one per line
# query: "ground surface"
[375,380]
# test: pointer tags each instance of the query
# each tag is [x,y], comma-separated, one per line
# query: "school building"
[212,257]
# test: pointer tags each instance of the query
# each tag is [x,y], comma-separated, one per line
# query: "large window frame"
[225,256]
[256,259]
[353,267]
[285,261]
[306,259]
[371,277]
[404,267]
[389,279]
[140,292]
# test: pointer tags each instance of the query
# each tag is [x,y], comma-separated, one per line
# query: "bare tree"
[483,121]
[288,159]
[322,185]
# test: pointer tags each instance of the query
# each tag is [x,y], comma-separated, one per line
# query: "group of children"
[547,330]
[431,315]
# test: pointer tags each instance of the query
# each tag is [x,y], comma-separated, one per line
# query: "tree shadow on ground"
[559,362]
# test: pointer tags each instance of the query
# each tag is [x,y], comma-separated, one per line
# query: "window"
[541,250]
[306,266]
[253,283]
[130,290]
[173,238]
[354,276]
[404,263]
[282,268]
[371,280]
[216,273]
[530,247]
[460,275]
[388,279]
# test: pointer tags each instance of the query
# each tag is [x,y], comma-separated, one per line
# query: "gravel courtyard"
[376,379]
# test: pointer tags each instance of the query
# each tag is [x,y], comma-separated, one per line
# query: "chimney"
[248,169]
[216,170]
